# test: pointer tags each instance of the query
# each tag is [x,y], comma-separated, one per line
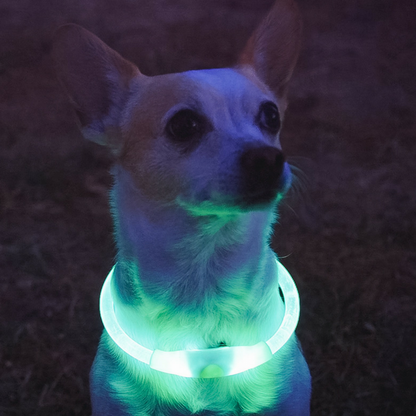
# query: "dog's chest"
[248,392]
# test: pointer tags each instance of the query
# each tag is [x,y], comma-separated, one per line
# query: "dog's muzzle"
[263,173]
[212,362]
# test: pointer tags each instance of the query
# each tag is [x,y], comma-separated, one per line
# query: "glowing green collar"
[206,363]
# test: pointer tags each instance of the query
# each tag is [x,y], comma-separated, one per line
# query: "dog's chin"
[233,205]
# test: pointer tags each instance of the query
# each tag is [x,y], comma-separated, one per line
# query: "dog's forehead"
[226,81]
[222,86]
[230,86]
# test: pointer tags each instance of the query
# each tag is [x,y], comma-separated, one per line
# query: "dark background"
[346,232]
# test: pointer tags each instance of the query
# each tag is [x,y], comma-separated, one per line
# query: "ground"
[346,232]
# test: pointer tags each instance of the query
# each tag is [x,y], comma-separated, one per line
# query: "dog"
[198,175]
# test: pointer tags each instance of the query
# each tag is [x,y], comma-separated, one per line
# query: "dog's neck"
[170,261]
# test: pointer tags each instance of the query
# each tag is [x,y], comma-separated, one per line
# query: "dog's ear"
[274,47]
[96,79]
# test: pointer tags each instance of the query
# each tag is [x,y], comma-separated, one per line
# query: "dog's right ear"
[273,48]
[96,79]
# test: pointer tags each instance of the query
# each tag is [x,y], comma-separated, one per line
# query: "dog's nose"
[262,169]
[265,163]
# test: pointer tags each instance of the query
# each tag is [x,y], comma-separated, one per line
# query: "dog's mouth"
[263,180]
[261,198]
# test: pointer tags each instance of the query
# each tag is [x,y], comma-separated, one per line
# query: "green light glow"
[206,363]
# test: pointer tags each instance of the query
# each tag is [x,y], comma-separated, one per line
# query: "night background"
[346,231]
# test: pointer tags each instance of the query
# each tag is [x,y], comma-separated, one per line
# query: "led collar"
[206,363]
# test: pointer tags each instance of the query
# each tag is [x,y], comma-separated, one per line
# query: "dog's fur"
[193,201]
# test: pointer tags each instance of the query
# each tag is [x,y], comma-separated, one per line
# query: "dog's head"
[207,140]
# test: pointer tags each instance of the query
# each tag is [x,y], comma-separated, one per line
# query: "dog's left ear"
[274,47]
[96,79]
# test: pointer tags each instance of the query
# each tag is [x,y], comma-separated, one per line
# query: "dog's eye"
[269,117]
[185,125]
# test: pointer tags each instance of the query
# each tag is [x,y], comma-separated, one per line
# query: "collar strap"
[212,362]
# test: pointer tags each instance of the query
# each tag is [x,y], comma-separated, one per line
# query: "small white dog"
[198,175]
